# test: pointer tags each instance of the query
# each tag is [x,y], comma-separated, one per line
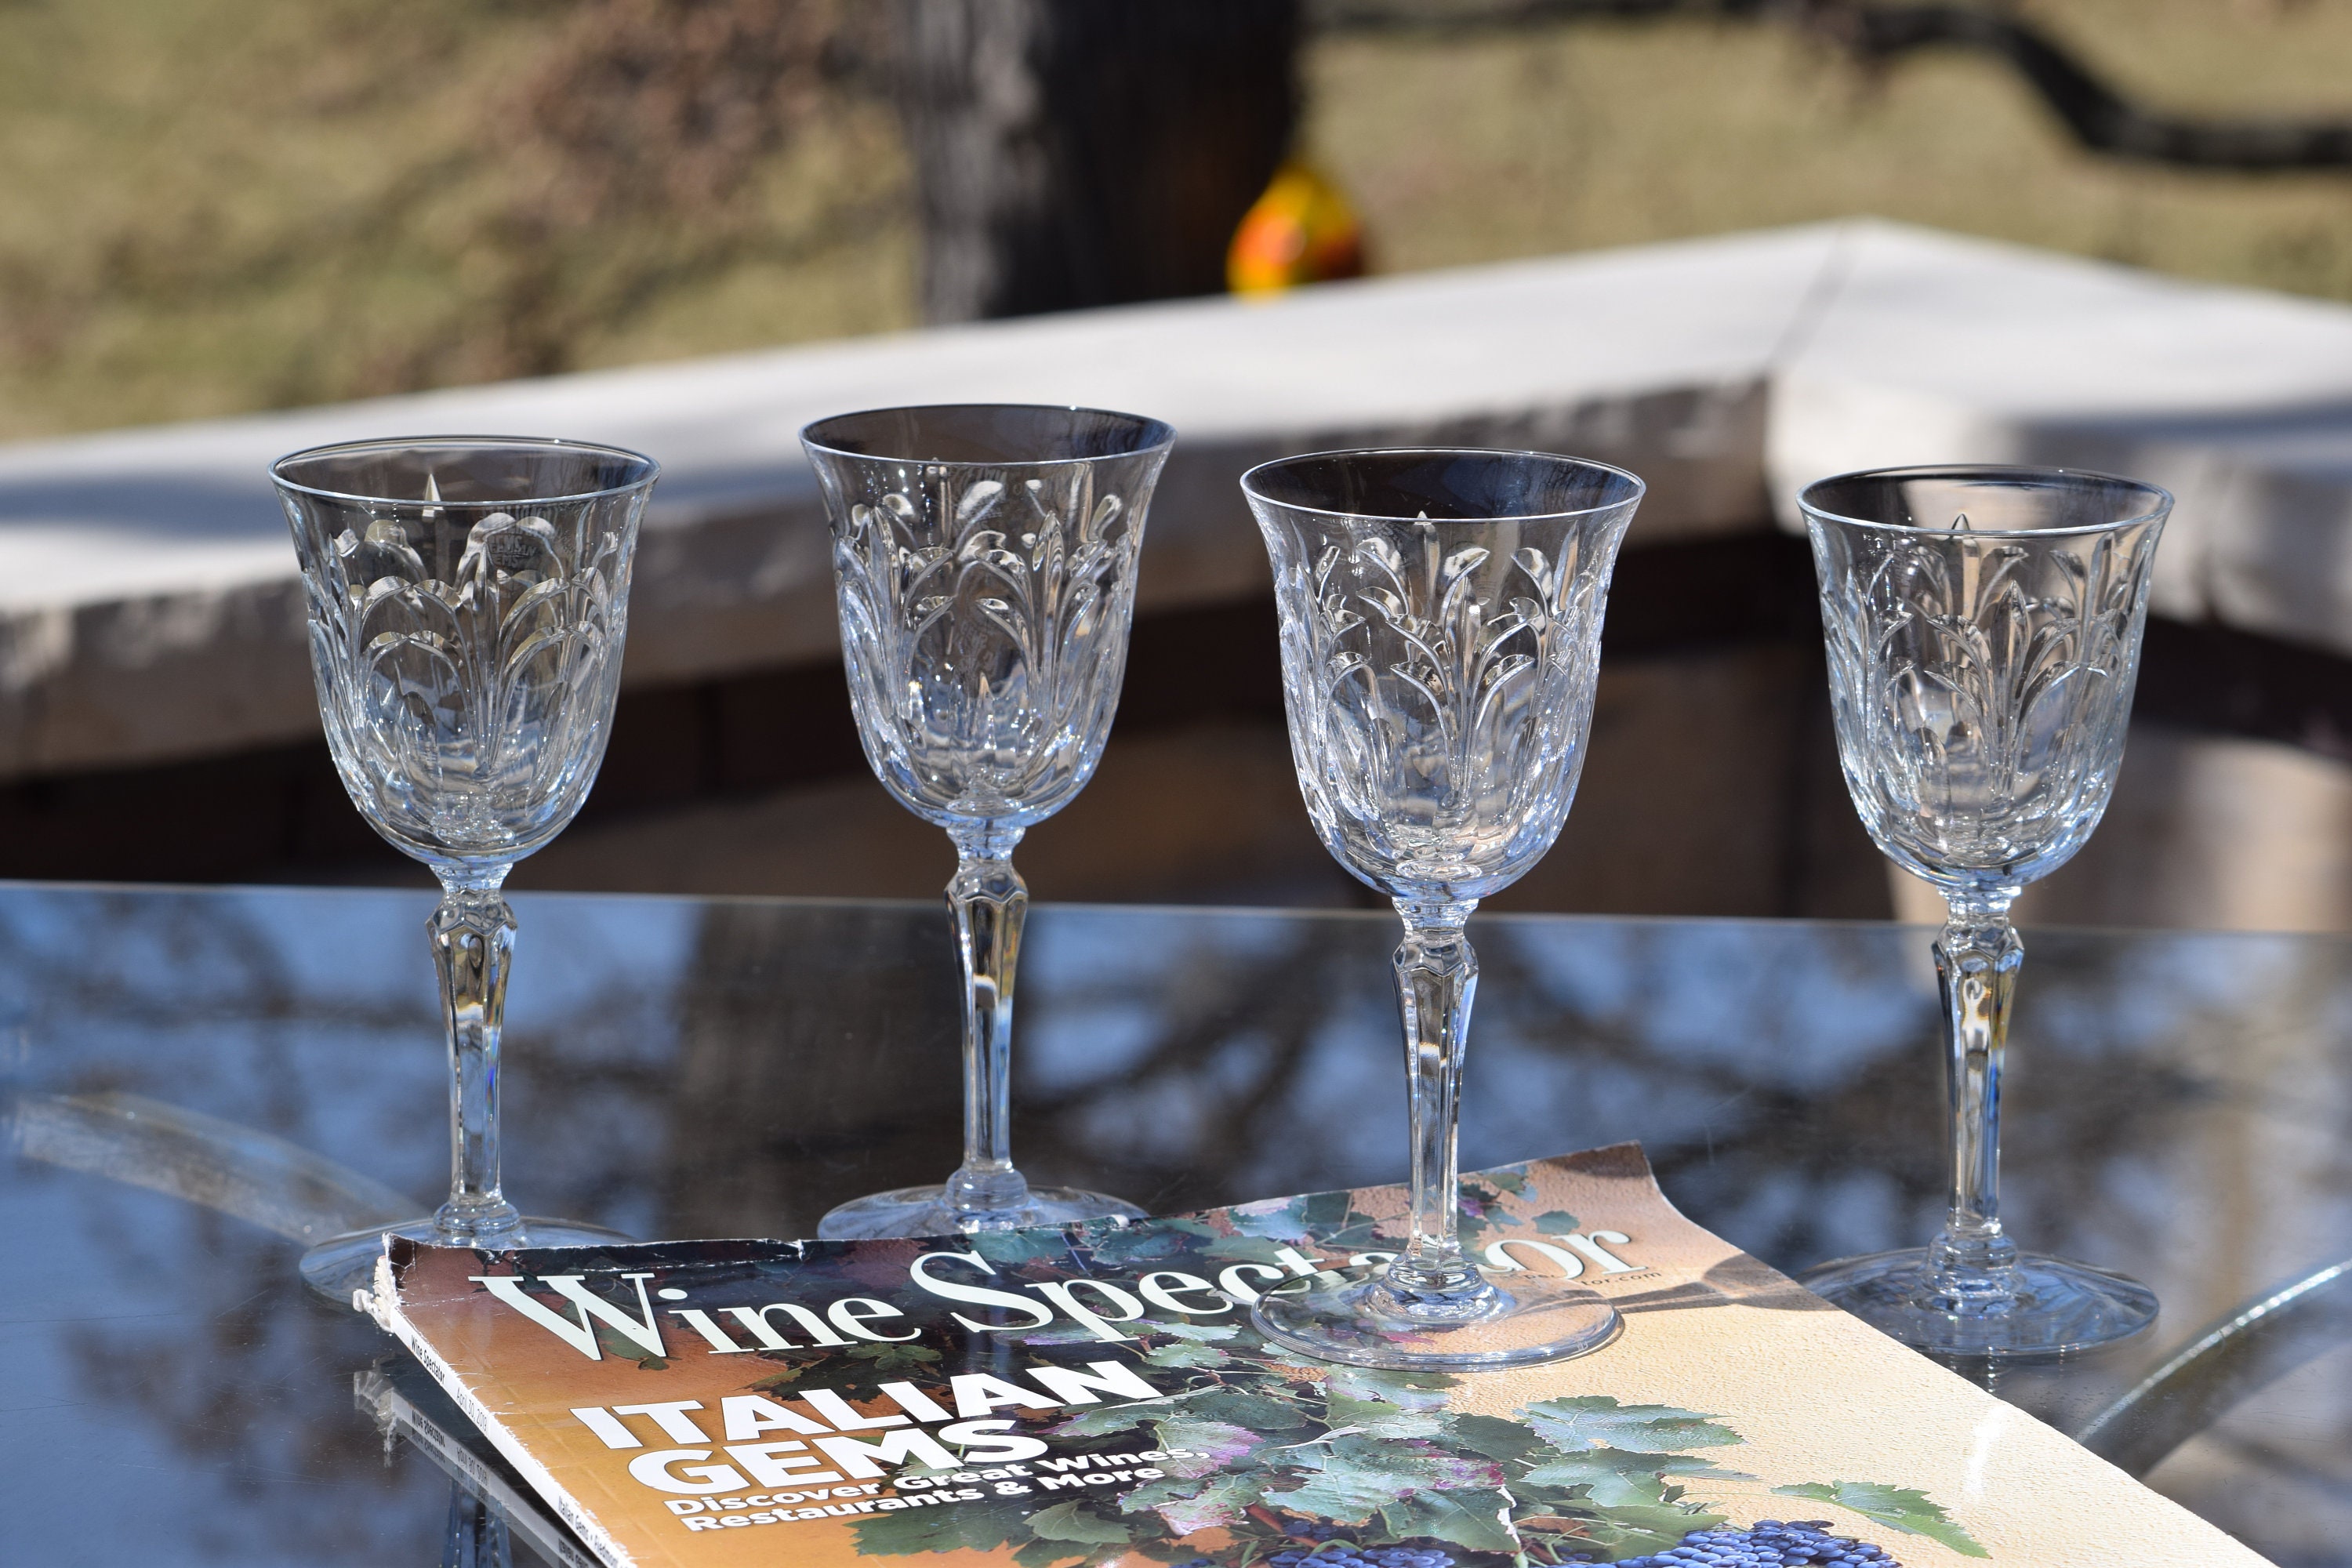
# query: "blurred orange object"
[1302,231]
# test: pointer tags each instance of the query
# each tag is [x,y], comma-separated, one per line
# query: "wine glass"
[1983,626]
[1441,631]
[985,557]
[467,598]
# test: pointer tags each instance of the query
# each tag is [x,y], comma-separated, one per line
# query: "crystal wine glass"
[1441,631]
[985,560]
[1983,626]
[468,601]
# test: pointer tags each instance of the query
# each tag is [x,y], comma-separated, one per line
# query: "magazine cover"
[1095,1395]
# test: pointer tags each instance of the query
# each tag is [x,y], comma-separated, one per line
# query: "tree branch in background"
[2098,116]
[636,137]
[2095,114]
[669,105]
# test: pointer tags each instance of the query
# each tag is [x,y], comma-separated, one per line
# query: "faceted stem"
[989,903]
[473,933]
[1436,976]
[1977,959]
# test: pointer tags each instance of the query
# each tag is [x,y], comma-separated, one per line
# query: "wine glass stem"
[473,933]
[990,903]
[1977,959]
[1436,977]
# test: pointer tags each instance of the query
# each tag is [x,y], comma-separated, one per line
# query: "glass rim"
[1641,486]
[1144,423]
[2160,500]
[464,443]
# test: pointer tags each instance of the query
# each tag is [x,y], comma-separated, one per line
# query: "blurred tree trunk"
[1076,152]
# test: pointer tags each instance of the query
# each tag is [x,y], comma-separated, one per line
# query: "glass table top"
[2180,1107]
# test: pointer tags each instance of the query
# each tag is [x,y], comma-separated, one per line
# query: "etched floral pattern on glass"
[1442,697]
[983,621]
[467,666]
[1981,688]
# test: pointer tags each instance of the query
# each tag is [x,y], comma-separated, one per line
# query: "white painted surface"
[1938,348]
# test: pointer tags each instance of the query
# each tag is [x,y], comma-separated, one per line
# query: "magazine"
[1093,1394]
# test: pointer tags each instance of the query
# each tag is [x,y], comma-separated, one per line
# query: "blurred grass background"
[208,206]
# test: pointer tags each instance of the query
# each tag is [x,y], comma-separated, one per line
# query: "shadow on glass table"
[200,1082]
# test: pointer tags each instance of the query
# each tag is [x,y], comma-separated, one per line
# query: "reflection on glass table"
[2178,1105]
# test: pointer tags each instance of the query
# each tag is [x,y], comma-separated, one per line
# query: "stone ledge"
[148,610]
[1932,348]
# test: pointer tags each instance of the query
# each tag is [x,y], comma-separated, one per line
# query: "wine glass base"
[2059,1307]
[343,1264]
[1528,1320]
[924,1210]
